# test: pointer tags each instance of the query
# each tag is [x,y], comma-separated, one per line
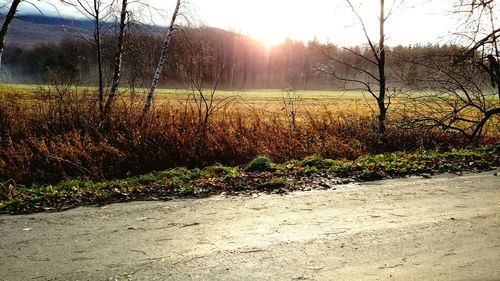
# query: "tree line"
[206,52]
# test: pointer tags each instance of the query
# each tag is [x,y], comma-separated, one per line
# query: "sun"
[270,38]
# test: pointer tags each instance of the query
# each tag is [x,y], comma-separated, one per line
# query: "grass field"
[270,100]
[265,100]
[47,135]
[274,94]
[255,94]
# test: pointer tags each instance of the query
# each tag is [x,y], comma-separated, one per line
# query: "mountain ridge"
[28,30]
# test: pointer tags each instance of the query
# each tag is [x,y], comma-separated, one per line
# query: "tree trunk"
[381,121]
[381,72]
[163,59]
[97,38]
[476,134]
[115,81]
[8,19]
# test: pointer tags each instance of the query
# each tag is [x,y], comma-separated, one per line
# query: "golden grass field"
[48,134]
[267,103]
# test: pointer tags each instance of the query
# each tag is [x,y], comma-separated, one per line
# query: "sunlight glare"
[272,21]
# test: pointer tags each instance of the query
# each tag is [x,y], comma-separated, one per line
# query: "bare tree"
[482,34]
[163,58]
[453,96]
[5,26]
[371,70]
[463,88]
[115,81]
[96,14]
[291,100]
[97,11]
[206,103]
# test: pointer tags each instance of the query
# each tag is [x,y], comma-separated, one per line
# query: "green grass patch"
[274,183]
[260,174]
[260,164]
[317,161]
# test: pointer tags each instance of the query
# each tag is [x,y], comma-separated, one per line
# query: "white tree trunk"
[5,26]
[115,81]
[163,59]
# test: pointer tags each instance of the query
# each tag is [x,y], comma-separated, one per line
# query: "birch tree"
[115,80]
[5,26]
[163,58]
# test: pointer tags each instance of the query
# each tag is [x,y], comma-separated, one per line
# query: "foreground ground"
[442,228]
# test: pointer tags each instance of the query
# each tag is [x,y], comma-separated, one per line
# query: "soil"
[442,228]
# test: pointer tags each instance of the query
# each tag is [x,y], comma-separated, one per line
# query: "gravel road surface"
[441,228]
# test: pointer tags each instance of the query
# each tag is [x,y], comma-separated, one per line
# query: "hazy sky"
[271,21]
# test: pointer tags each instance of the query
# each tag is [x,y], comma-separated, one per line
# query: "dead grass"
[49,135]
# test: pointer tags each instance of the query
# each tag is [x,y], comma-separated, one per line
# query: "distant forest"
[204,54]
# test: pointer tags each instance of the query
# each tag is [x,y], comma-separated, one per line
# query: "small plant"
[183,182]
[224,172]
[145,179]
[292,162]
[274,183]
[260,164]
[317,161]
[368,175]
[307,171]
[341,167]
[291,102]
[70,185]
[481,164]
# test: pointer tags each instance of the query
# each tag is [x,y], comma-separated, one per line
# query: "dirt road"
[443,228]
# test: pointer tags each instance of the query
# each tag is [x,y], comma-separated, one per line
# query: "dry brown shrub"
[59,135]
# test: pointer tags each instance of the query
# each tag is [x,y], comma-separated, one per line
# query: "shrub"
[146,179]
[47,137]
[274,183]
[317,161]
[307,171]
[368,175]
[219,170]
[260,164]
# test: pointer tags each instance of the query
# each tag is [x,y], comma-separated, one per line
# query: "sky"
[271,21]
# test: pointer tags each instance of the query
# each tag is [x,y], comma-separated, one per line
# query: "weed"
[219,170]
[369,175]
[47,138]
[341,167]
[146,179]
[274,183]
[317,161]
[260,164]
[307,171]
[195,182]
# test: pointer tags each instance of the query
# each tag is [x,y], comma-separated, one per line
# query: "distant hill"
[58,21]
[28,30]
